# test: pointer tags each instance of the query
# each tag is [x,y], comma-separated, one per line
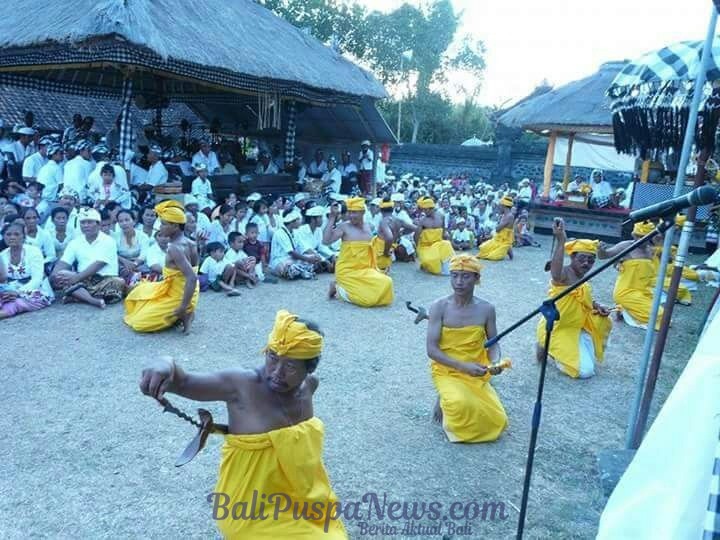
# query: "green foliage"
[379,39]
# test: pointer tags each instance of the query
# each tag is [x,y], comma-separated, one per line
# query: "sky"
[565,40]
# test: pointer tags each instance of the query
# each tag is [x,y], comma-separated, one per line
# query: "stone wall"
[496,164]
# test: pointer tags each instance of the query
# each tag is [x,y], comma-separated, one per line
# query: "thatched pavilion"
[577,109]
[215,53]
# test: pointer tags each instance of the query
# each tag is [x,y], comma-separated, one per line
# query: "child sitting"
[155,258]
[255,249]
[220,274]
[244,265]
[462,238]
[523,236]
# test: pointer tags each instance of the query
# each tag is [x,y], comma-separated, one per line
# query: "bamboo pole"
[645,171]
[549,165]
[568,161]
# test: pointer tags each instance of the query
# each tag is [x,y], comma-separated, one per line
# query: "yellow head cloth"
[465,263]
[582,245]
[386,204]
[643,228]
[171,211]
[507,202]
[426,203]
[355,204]
[680,220]
[293,339]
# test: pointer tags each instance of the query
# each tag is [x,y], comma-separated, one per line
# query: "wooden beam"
[645,171]
[549,165]
[568,161]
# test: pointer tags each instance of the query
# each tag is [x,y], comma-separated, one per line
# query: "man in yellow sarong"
[155,306]
[272,482]
[635,284]
[468,408]
[500,245]
[434,251]
[357,278]
[579,337]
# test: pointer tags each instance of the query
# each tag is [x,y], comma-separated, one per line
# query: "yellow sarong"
[566,344]
[150,306]
[433,251]
[497,248]
[634,290]
[279,475]
[383,262]
[472,411]
[358,279]
[684,296]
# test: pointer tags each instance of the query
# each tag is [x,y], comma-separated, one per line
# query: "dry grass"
[86,455]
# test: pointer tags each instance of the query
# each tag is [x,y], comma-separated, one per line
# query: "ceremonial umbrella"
[667,100]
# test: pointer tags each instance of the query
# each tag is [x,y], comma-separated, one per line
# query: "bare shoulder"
[312,382]
[487,309]
[439,306]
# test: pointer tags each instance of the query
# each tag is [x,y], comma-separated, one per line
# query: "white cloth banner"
[594,152]
[664,492]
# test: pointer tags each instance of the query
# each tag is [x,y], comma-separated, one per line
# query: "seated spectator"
[308,238]
[23,285]
[523,235]
[202,188]
[148,222]
[255,249]
[264,217]
[462,238]
[33,197]
[220,274]
[109,191]
[244,265]
[35,236]
[132,246]
[266,165]
[226,165]
[286,259]
[60,235]
[50,175]
[222,226]
[202,220]
[93,255]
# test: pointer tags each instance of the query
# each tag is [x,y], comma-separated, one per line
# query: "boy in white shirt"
[220,274]
[244,265]
[202,188]
[461,237]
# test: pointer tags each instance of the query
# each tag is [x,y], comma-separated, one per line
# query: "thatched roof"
[579,106]
[228,44]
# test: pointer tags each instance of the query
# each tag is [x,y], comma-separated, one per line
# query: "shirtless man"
[580,335]
[459,324]
[358,280]
[433,248]
[146,311]
[274,442]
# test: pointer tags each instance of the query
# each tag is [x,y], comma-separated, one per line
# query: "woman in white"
[222,226]
[35,236]
[60,234]
[149,223]
[132,246]
[109,190]
[23,285]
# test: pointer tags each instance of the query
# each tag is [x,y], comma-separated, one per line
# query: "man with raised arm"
[358,279]
[579,337]
[459,324]
[151,307]
[272,482]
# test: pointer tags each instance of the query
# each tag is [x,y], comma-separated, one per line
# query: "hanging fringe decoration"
[269,114]
[290,134]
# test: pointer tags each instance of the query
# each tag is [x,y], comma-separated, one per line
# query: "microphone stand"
[549,311]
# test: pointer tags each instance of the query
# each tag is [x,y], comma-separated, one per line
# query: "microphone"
[697,197]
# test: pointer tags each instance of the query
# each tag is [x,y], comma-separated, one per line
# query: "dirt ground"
[87,456]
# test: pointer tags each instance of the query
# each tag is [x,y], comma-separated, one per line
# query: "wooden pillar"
[645,171]
[549,165]
[568,161]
